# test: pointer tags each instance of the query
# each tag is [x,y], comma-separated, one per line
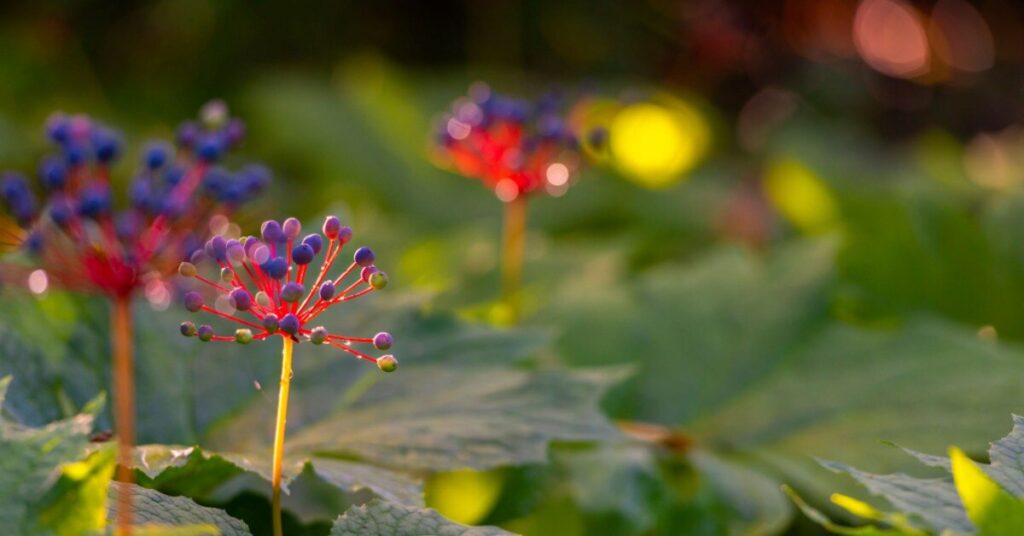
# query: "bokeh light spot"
[464,496]
[891,38]
[557,174]
[654,144]
[506,190]
[800,196]
[38,281]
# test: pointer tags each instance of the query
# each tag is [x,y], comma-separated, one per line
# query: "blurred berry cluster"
[76,232]
[515,147]
[262,285]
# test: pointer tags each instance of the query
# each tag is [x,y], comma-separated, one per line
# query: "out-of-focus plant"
[984,499]
[265,280]
[516,148]
[75,238]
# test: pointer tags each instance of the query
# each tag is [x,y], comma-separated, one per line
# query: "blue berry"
[327,291]
[210,147]
[363,256]
[234,131]
[106,144]
[155,156]
[53,173]
[94,202]
[276,267]
[303,254]
[188,134]
[290,324]
[314,241]
[75,153]
[61,211]
[58,128]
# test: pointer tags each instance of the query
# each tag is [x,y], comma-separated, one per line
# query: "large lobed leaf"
[151,508]
[975,498]
[379,518]
[50,484]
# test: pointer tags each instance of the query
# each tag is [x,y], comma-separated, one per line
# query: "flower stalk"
[124,407]
[279,431]
[513,246]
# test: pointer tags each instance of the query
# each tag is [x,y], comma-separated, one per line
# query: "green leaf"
[77,502]
[29,465]
[379,518]
[710,329]
[974,500]
[150,507]
[992,510]
[758,507]
[440,418]
[934,500]
[194,472]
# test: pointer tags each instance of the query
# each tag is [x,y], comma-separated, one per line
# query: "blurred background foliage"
[806,234]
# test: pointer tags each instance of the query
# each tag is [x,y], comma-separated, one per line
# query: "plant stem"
[282,420]
[124,408]
[513,244]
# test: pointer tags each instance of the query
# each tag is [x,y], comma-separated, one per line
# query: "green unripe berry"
[387,363]
[378,280]
[318,335]
[188,329]
[243,336]
[187,269]
[263,300]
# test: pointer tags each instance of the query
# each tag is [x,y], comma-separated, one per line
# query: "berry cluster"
[78,236]
[513,146]
[262,286]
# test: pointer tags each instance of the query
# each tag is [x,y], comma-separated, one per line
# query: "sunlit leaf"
[992,510]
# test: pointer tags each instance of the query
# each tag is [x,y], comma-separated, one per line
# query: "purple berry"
[291,227]
[271,231]
[327,291]
[383,340]
[270,323]
[292,292]
[205,332]
[194,301]
[240,299]
[331,227]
